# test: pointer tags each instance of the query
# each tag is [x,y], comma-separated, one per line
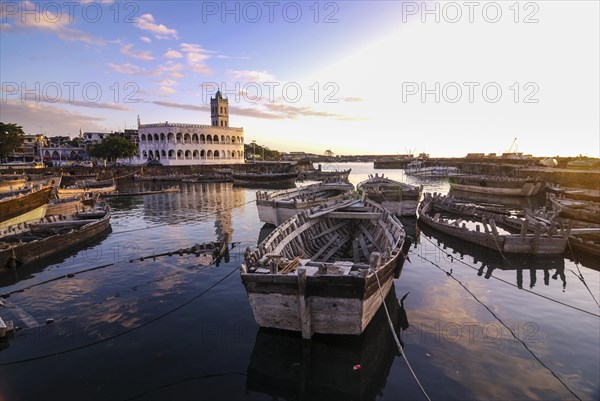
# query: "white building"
[176,144]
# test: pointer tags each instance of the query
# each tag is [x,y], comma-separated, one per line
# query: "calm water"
[172,328]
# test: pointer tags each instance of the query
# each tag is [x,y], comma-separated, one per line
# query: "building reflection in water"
[282,365]
[196,202]
[491,260]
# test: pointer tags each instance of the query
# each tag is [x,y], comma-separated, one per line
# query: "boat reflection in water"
[332,367]
[491,260]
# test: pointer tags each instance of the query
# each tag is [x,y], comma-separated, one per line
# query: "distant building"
[175,144]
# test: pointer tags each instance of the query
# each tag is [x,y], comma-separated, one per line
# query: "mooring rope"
[580,276]
[398,344]
[449,274]
[509,283]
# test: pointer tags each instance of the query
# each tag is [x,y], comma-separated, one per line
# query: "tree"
[11,137]
[114,147]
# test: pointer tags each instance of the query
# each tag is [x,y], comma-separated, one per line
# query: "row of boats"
[332,258]
[40,219]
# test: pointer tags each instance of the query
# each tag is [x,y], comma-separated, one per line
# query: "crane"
[513,146]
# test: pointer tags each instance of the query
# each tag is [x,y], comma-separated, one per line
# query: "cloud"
[172,69]
[191,107]
[53,120]
[167,82]
[132,69]
[250,76]
[44,19]
[352,99]
[166,91]
[270,111]
[146,22]
[173,54]
[142,55]
[145,39]
[196,57]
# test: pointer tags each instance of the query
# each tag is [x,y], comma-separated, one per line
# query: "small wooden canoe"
[398,197]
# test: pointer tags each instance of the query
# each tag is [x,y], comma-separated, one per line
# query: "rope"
[400,349]
[189,301]
[580,276]
[449,274]
[509,283]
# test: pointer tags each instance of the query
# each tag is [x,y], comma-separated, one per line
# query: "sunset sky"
[355,77]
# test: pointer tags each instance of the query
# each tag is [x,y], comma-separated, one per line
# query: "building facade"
[175,144]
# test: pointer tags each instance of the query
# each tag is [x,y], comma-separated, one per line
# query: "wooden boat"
[576,193]
[577,210]
[97,187]
[276,207]
[504,186]
[68,206]
[398,197]
[322,270]
[537,243]
[416,168]
[23,207]
[264,180]
[325,175]
[13,184]
[29,242]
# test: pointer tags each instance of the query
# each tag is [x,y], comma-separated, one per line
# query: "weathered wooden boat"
[577,210]
[143,193]
[325,175]
[276,207]
[418,168]
[264,180]
[34,241]
[12,184]
[97,187]
[398,197]
[322,270]
[23,207]
[504,186]
[540,242]
[68,206]
[575,193]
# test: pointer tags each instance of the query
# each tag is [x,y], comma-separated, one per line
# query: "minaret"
[219,111]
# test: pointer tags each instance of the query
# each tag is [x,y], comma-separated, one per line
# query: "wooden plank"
[355,254]
[327,245]
[354,215]
[330,229]
[370,237]
[305,315]
[363,246]
[341,243]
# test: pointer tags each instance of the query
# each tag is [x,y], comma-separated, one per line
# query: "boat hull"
[256,180]
[74,192]
[22,254]
[25,207]
[528,188]
[337,305]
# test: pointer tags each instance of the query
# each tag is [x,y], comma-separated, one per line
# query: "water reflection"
[490,260]
[327,367]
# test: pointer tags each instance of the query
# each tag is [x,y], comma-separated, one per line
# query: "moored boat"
[276,207]
[97,187]
[486,232]
[34,241]
[12,184]
[398,197]
[325,269]
[504,186]
[418,169]
[264,180]
[25,206]
[577,210]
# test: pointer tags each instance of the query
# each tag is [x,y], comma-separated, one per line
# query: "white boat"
[325,269]
[397,197]
[276,207]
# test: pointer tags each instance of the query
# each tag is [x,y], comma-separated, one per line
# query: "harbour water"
[474,324]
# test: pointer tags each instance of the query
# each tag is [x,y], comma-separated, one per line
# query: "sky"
[353,77]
